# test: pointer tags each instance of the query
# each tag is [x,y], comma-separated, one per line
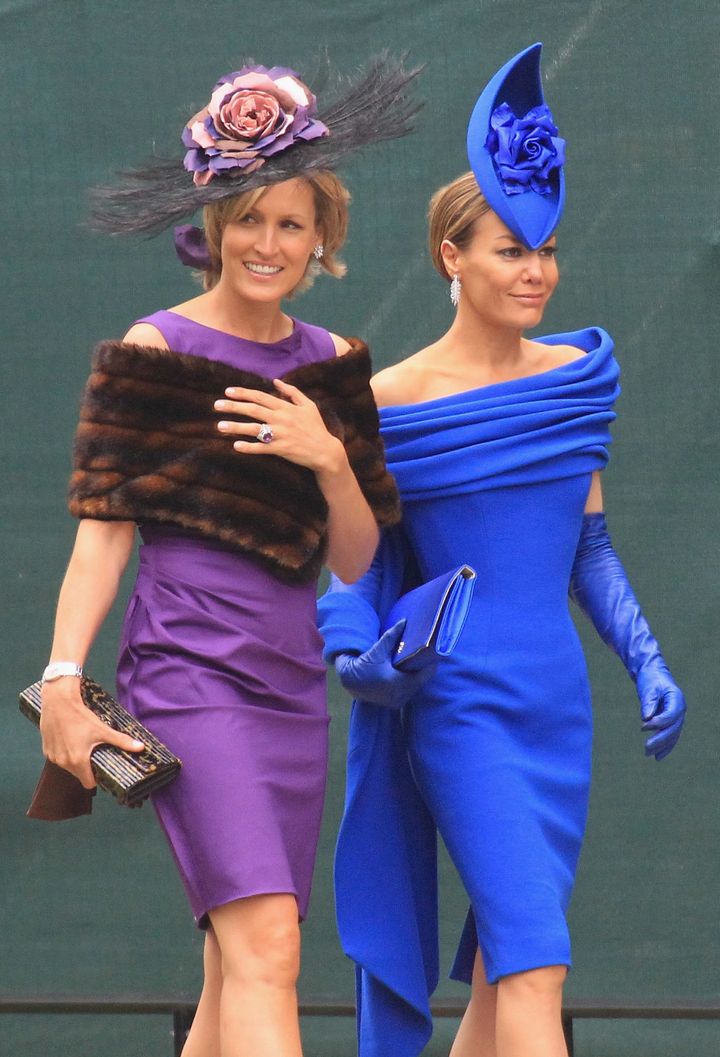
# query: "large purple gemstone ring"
[265,433]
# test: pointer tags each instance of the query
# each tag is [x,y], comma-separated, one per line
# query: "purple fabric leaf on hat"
[195,161]
[191,247]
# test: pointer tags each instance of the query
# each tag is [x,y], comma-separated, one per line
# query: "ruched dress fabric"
[222,661]
[494,752]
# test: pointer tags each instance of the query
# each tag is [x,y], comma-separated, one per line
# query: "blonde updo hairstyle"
[452,214]
[331,214]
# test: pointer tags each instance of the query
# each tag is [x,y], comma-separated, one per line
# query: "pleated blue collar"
[544,426]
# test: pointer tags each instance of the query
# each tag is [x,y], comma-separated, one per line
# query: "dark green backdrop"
[89,87]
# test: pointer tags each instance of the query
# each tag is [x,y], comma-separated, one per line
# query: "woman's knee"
[276,953]
[537,985]
[260,941]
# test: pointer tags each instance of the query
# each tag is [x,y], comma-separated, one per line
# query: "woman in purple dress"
[244,444]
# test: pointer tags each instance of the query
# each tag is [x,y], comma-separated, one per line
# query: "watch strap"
[56,669]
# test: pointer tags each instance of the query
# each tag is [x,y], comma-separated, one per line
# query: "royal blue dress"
[494,752]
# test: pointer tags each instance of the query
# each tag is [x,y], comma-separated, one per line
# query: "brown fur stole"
[147,449]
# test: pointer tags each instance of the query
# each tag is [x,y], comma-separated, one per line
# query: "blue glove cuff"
[347,623]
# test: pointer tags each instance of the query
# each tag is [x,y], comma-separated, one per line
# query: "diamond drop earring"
[455,288]
[318,251]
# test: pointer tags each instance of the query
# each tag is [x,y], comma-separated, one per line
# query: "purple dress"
[223,662]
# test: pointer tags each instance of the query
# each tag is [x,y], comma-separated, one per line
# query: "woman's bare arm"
[353,534]
[69,730]
[594,501]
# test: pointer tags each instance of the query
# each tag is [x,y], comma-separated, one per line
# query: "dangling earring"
[455,288]
[318,251]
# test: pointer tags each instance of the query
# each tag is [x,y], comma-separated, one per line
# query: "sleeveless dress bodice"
[306,344]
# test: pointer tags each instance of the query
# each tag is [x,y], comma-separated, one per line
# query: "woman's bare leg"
[204,1037]
[476,1034]
[529,1014]
[259,941]
[521,1016]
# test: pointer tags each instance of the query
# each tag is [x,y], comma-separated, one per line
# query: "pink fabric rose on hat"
[252,114]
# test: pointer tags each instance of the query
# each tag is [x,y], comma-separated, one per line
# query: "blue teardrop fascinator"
[515,151]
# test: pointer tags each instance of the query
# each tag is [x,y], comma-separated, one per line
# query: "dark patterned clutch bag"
[129,776]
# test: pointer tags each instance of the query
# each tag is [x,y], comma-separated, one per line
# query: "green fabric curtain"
[93,906]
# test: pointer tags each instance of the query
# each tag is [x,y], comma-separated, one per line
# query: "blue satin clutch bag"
[434,616]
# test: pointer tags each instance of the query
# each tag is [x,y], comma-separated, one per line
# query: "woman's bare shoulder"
[559,355]
[401,383]
[341,345]
[145,334]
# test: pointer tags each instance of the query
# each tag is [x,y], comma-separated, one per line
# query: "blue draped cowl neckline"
[541,427]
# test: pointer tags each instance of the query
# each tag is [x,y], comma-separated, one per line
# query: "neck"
[473,338]
[255,320]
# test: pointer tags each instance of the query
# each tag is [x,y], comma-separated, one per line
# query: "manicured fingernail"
[231,392]
[138,745]
[223,425]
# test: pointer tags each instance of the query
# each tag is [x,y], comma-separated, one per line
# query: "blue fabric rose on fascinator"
[515,151]
[525,150]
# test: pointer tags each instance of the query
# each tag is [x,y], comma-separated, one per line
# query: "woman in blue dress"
[496,443]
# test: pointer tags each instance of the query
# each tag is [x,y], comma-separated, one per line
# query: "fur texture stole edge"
[147,449]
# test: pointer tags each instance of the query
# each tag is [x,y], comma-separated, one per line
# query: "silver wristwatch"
[56,669]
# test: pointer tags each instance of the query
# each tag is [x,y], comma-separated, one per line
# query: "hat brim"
[374,106]
[531,216]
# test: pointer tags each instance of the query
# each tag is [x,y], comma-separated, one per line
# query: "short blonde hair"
[331,216]
[452,214]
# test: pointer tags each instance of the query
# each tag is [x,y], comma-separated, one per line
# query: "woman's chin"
[263,292]
[529,316]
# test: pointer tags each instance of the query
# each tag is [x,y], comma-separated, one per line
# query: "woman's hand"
[662,706]
[372,677]
[70,731]
[298,431]
[299,435]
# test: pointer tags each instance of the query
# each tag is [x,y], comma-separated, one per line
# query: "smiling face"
[265,249]
[503,282]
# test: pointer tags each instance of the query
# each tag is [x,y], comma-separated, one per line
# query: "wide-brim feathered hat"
[261,126]
[515,151]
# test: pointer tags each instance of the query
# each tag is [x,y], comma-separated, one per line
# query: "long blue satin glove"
[371,677]
[600,587]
